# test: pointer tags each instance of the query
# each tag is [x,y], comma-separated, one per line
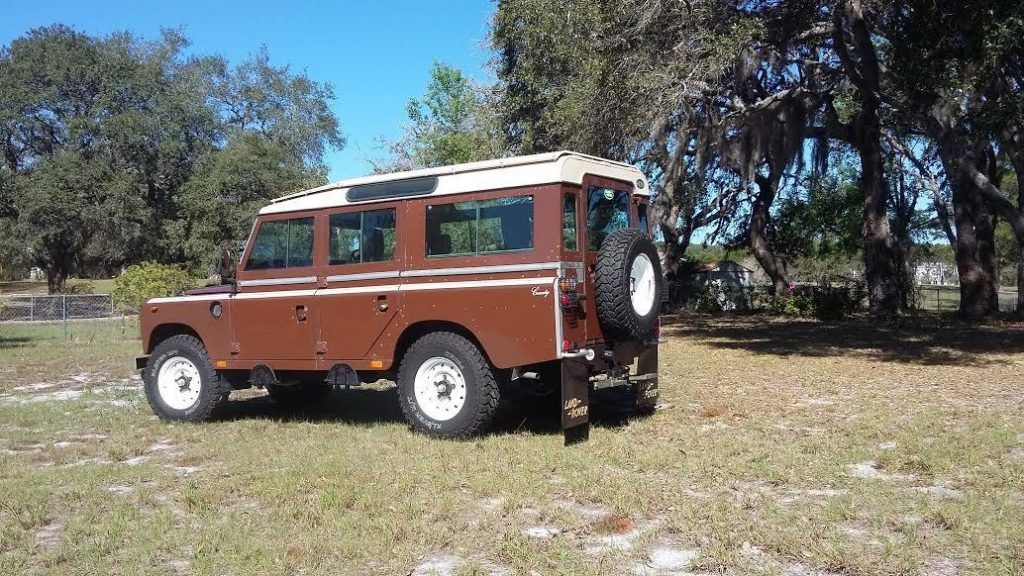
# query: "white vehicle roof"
[562,166]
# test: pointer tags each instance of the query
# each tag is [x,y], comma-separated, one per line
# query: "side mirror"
[227,267]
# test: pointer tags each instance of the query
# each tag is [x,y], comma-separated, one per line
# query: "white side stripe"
[196,298]
[357,290]
[475,284]
[362,290]
[481,269]
[363,276]
[273,294]
[278,281]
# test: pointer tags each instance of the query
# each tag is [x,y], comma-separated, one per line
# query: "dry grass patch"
[791,448]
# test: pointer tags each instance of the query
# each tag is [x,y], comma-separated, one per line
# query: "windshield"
[607,211]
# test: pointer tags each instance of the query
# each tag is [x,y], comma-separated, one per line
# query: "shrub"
[717,296]
[823,301]
[141,282]
[83,287]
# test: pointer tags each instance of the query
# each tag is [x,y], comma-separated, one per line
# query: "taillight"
[567,295]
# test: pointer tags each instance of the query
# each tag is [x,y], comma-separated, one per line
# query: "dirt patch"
[870,469]
[666,558]
[48,536]
[437,565]
[713,411]
[541,532]
[121,490]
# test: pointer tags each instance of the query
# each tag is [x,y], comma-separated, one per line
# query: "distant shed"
[729,272]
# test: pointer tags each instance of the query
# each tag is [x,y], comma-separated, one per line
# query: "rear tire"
[180,382]
[446,387]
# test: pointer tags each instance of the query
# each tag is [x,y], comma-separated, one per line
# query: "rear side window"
[607,211]
[480,226]
[569,241]
[282,244]
[359,237]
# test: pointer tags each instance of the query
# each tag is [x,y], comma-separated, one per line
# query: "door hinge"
[235,349]
[321,347]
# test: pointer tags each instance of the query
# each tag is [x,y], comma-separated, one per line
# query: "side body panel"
[357,301]
[505,299]
[274,316]
[195,313]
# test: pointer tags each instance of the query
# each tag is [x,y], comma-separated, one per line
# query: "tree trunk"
[760,215]
[56,277]
[879,257]
[975,226]
[975,252]
[1020,282]
[865,73]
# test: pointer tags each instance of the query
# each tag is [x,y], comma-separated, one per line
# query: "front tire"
[180,382]
[446,387]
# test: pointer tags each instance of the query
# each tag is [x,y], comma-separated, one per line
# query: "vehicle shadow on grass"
[930,339]
[367,406]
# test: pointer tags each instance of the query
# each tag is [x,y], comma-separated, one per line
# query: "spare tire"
[628,285]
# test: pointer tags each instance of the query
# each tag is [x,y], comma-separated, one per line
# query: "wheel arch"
[417,330]
[162,332]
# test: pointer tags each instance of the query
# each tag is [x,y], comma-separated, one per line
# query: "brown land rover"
[455,282]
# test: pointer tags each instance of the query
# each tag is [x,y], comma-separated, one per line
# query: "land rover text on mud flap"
[458,283]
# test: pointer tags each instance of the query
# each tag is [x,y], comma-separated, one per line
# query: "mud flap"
[575,401]
[646,385]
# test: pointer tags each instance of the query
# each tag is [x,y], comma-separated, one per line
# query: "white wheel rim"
[179,383]
[642,284]
[440,389]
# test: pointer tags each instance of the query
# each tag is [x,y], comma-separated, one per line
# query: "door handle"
[382,303]
[300,313]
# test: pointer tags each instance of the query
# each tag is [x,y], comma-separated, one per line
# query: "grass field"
[101,286]
[782,447]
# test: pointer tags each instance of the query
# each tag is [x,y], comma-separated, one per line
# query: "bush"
[823,301]
[82,287]
[141,282]
[717,296]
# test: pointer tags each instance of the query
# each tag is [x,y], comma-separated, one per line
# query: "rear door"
[273,316]
[360,294]
[607,205]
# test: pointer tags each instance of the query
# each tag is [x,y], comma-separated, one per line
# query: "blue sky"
[376,54]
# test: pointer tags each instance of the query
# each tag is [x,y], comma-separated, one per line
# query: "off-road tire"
[306,393]
[482,390]
[213,389]
[619,321]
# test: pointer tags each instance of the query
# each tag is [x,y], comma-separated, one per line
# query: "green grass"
[750,465]
[98,286]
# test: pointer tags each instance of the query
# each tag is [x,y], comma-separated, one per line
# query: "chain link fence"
[947,299]
[69,316]
[58,307]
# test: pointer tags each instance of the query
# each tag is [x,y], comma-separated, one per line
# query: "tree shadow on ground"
[13,341]
[925,339]
[369,406]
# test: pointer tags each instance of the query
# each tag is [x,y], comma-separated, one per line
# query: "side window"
[282,244]
[569,223]
[480,226]
[607,211]
[641,220]
[359,237]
